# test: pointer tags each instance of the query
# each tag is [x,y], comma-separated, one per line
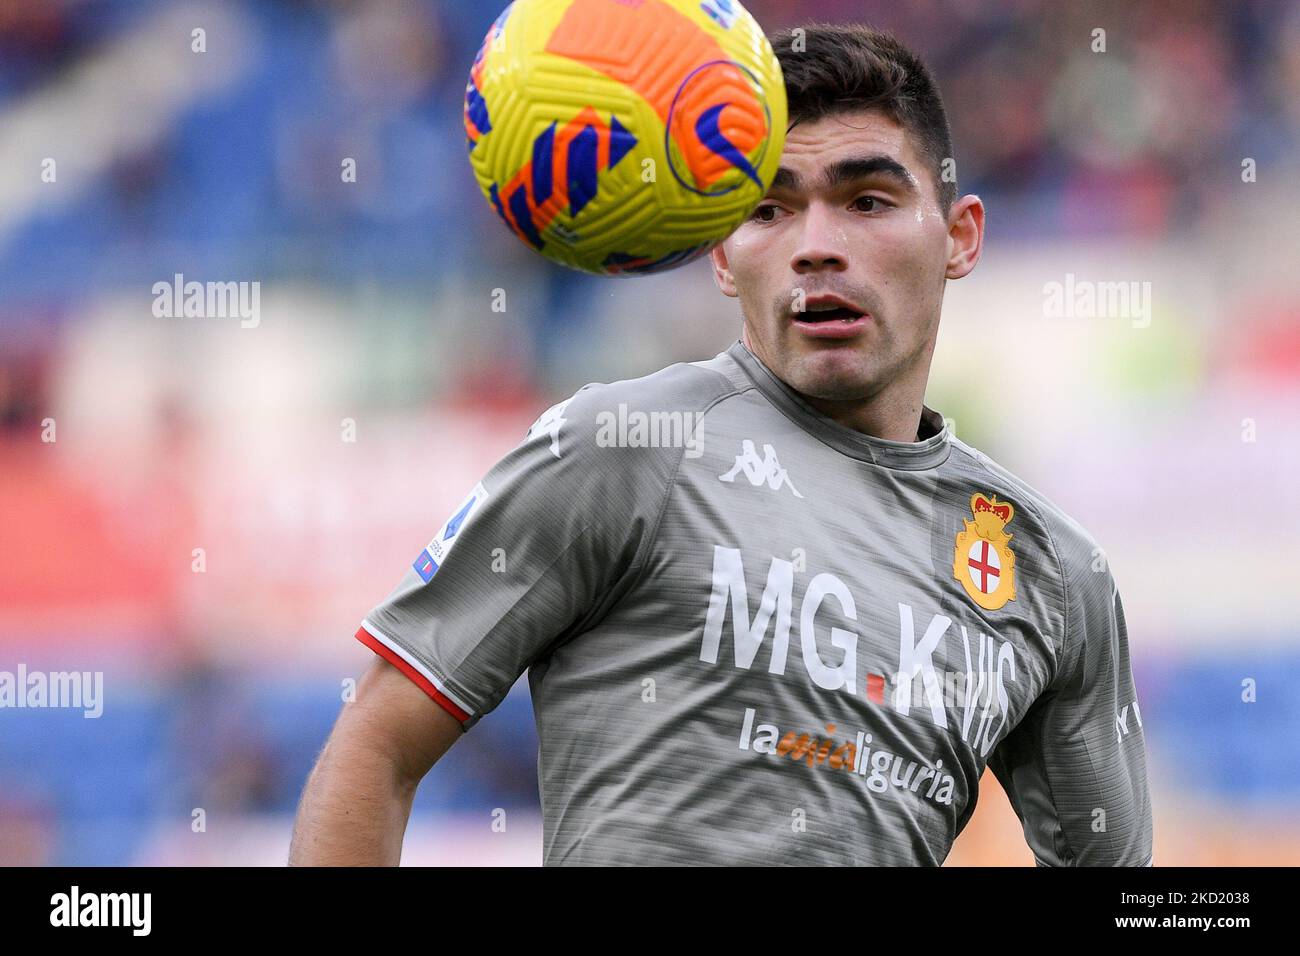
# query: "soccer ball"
[624,137]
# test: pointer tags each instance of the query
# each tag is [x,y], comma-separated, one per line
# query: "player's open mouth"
[840,314]
[835,322]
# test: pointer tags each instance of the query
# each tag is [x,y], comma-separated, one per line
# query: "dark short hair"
[842,67]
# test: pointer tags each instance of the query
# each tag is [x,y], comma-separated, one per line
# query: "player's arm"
[357,801]
[1075,767]
[537,551]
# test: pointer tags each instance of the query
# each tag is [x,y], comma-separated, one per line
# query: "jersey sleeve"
[537,551]
[1074,768]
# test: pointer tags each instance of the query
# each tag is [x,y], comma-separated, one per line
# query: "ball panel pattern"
[622,137]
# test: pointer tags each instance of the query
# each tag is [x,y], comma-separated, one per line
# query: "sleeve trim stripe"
[412,668]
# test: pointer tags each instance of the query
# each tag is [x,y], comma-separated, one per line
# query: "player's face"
[852,213]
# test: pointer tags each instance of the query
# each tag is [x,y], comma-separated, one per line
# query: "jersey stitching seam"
[631,578]
[816,436]
[482,704]
[487,702]
[653,537]
[1040,737]
[437,671]
[1056,556]
[1039,732]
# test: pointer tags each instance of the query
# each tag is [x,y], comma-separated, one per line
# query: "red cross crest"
[983,561]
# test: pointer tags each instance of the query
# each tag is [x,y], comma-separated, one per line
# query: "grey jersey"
[756,636]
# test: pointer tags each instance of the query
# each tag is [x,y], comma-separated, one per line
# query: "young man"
[771,609]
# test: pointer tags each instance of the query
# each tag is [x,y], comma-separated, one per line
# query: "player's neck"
[884,415]
[893,413]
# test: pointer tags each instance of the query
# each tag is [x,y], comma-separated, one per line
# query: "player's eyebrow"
[850,170]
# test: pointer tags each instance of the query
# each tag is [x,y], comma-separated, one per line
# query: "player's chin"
[834,374]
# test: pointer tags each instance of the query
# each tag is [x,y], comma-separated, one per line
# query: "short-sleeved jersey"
[756,636]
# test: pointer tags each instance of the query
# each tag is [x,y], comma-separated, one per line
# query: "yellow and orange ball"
[624,137]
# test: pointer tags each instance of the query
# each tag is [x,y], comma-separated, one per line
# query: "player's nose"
[822,241]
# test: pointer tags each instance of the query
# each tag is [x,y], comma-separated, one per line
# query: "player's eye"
[757,214]
[874,204]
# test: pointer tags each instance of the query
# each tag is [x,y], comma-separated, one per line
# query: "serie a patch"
[431,558]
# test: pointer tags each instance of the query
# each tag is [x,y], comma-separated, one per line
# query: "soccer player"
[771,609]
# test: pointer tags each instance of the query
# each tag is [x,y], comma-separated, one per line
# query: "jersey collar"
[930,452]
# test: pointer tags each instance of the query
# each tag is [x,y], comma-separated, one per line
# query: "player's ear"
[965,236]
[721,270]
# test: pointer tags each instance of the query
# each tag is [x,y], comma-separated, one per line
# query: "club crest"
[982,560]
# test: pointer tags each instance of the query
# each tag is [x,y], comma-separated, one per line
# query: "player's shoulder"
[1080,555]
[684,386]
[641,423]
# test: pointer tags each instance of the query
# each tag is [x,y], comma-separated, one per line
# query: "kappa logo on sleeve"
[427,564]
[549,424]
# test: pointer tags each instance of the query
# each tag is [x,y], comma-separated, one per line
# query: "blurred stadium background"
[1177,443]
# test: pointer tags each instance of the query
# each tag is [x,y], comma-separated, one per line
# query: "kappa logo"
[549,423]
[982,557]
[766,470]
